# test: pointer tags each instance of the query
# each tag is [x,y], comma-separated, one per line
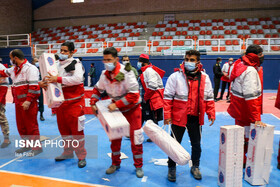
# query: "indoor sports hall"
[163,30]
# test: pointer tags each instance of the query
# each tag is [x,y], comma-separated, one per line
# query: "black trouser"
[217,86]
[194,131]
[148,114]
[224,85]
[41,101]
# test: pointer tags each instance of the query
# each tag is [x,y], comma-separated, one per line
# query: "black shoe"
[171,174]
[228,101]
[42,117]
[149,140]
[215,100]
[35,152]
[63,157]
[112,169]
[220,98]
[22,150]
[196,172]
[278,166]
[227,98]
[5,144]
[82,163]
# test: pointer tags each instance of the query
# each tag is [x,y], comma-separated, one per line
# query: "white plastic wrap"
[166,143]
[259,154]
[114,123]
[54,92]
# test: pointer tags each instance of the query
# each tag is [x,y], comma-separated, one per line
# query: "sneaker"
[171,174]
[112,169]
[22,150]
[149,140]
[82,163]
[6,143]
[278,166]
[196,172]
[63,157]
[42,118]
[35,152]
[139,172]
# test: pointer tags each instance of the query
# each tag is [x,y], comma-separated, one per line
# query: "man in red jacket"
[246,91]
[188,95]
[25,90]
[122,87]
[70,112]
[151,88]
[4,82]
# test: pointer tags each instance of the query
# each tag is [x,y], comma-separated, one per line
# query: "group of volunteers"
[187,96]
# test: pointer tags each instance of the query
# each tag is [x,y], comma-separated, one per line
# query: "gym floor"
[23,171]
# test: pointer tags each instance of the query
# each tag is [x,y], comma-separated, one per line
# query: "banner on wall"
[169,17]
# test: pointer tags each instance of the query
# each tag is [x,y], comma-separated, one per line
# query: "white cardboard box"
[231,156]
[259,154]
[114,123]
[54,92]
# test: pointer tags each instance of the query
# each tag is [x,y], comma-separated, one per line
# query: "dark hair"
[218,59]
[80,58]
[111,51]
[70,45]
[56,57]
[193,52]
[256,49]
[125,56]
[92,64]
[18,53]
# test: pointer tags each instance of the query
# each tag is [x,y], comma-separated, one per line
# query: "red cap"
[144,56]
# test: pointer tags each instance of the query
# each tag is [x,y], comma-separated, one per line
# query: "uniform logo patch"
[51,61]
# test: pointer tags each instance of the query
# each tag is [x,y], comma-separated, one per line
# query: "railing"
[15,40]
[220,45]
[266,43]
[166,46]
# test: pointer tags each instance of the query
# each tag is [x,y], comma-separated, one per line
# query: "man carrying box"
[25,90]
[246,91]
[122,87]
[70,75]
[188,95]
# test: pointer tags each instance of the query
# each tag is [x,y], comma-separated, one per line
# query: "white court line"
[50,178]
[7,163]
[274,116]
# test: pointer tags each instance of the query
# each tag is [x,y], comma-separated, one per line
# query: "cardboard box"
[259,154]
[54,92]
[231,156]
[114,123]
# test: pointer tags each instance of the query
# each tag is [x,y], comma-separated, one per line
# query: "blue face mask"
[109,66]
[190,66]
[62,56]
[37,64]
[139,65]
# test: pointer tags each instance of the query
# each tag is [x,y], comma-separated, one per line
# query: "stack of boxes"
[54,92]
[231,156]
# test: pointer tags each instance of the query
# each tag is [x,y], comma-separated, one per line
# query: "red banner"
[88,94]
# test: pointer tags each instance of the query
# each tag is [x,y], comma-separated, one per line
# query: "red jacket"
[25,82]
[179,102]
[151,81]
[123,89]
[246,89]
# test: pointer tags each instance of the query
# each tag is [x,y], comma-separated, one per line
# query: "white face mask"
[125,62]
[62,56]
[230,62]
[109,66]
